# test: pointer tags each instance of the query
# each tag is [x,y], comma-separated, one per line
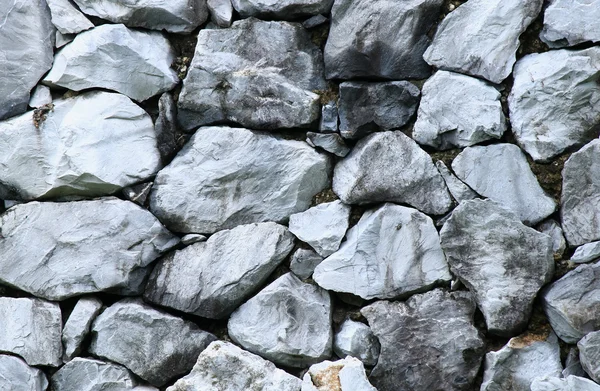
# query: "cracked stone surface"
[570,22]
[17,375]
[77,326]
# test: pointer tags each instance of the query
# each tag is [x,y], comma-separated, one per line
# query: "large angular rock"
[357,340]
[133,62]
[390,166]
[503,262]
[175,16]
[15,374]
[165,346]
[589,353]
[342,375]
[80,247]
[281,9]
[225,177]
[481,37]
[211,279]
[31,328]
[379,39]
[569,383]
[67,18]
[427,343]
[27,39]
[458,111]
[392,252]
[555,101]
[501,173]
[77,326]
[258,74]
[90,145]
[459,190]
[288,322]
[571,22]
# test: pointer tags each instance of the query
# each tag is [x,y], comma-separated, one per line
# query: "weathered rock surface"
[67,18]
[80,247]
[501,173]
[303,262]
[165,345]
[589,354]
[390,166]
[40,96]
[282,9]
[343,375]
[221,12]
[481,37]
[225,177]
[555,101]
[458,111]
[330,142]
[552,228]
[571,22]
[329,117]
[315,21]
[392,252]
[428,342]
[503,262]
[573,364]
[586,253]
[258,74]
[357,340]
[166,127]
[379,39]
[457,188]
[288,322]
[569,383]
[16,375]
[138,193]
[31,328]
[133,62]
[77,326]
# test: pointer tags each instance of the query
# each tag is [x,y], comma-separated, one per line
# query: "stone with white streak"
[459,190]
[347,374]
[77,326]
[586,253]
[357,340]
[281,9]
[571,22]
[67,18]
[569,383]
[16,375]
[221,12]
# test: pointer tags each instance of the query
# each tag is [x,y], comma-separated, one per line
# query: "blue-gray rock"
[330,142]
[552,228]
[304,261]
[589,354]
[347,374]
[457,188]
[281,9]
[221,12]
[192,238]
[67,18]
[16,375]
[586,253]
[569,383]
[570,22]
[357,340]
[77,326]
[329,118]
[315,21]
[573,364]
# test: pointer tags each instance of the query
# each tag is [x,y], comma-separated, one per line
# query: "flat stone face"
[67,18]
[589,353]
[458,111]
[211,279]
[303,262]
[428,342]
[330,142]
[288,322]
[503,262]
[225,177]
[80,247]
[224,366]
[32,45]
[481,37]
[78,324]
[457,188]
[555,101]
[357,340]
[281,9]
[343,375]
[570,383]
[133,62]
[165,346]
[17,375]
[379,39]
[90,145]
[570,22]
[221,12]
[390,166]
[586,253]
[258,74]
[392,252]
[501,173]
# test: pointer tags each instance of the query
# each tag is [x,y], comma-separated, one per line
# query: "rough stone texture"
[379,39]
[330,142]
[589,354]
[457,188]
[390,166]
[552,228]
[288,322]
[555,101]
[427,343]
[342,375]
[304,261]
[503,262]
[281,9]
[481,37]
[80,247]
[501,173]
[225,177]
[569,383]
[329,117]
[258,74]
[40,96]
[16,375]
[67,18]
[111,56]
[458,111]
[77,326]
[31,328]
[518,363]
[368,107]
[573,364]
[221,12]
[392,252]
[90,145]
[165,346]
[166,127]
[357,340]
[225,367]
[586,253]
[26,37]
[138,193]
[571,22]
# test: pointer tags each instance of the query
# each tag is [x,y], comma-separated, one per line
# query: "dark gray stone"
[166,128]
[304,261]
[329,118]
[315,21]
[330,142]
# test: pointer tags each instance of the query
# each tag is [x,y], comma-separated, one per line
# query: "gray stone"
[77,326]
[221,12]
[357,340]
[192,238]
[458,111]
[459,190]
[379,39]
[304,261]
[223,366]
[133,62]
[31,328]
[392,252]
[330,142]
[520,361]
[589,354]
[573,364]
[569,383]
[427,343]
[80,247]
[40,96]
[501,173]
[571,22]
[586,253]
[138,193]
[281,9]
[212,278]
[165,346]
[342,375]
[555,101]
[225,177]
[166,128]
[16,375]
[67,18]
[175,16]
[288,322]
[63,39]
[315,21]
[552,228]
[26,37]
[390,166]
[329,118]
[503,262]
[368,107]
[481,37]
[232,79]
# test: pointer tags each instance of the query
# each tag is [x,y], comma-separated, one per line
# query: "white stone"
[357,340]
[569,383]
[586,253]
[77,326]
[67,18]
[40,96]
[16,375]
[459,190]
[304,261]
[571,22]
[342,375]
